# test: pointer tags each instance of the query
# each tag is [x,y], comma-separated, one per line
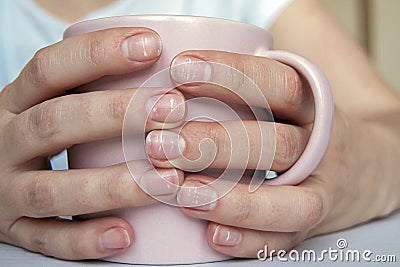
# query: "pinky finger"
[73,240]
[247,243]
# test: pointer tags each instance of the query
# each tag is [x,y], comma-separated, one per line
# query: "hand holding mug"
[160,225]
[242,223]
[38,120]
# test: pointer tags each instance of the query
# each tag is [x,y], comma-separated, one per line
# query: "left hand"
[334,197]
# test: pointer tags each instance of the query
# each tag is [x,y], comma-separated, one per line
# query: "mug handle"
[323,117]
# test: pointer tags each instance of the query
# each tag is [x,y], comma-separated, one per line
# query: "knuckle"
[205,142]
[213,131]
[313,210]
[117,107]
[295,93]
[40,197]
[38,242]
[45,119]
[237,74]
[94,52]
[288,146]
[36,71]
[220,143]
[111,188]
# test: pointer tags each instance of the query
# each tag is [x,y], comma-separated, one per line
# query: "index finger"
[283,88]
[78,60]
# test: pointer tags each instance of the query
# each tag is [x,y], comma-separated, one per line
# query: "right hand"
[38,120]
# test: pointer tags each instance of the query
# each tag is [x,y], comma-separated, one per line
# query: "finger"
[59,123]
[73,240]
[270,208]
[247,243]
[62,193]
[79,60]
[280,84]
[230,144]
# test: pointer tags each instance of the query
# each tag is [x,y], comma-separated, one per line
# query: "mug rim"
[73,29]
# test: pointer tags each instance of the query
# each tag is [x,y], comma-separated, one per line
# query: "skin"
[356,181]
[43,123]
[342,191]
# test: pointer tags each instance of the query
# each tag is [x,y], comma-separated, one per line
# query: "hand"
[36,121]
[340,193]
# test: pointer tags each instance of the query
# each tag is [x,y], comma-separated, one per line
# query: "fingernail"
[166,108]
[189,70]
[115,238]
[142,47]
[164,145]
[197,196]
[159,183]
[226,236]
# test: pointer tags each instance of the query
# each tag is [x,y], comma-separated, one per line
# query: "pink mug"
[163,235]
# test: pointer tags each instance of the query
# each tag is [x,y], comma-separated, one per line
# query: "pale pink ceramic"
[163,235]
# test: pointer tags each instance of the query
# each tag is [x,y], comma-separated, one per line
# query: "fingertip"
[114,235]
[142,47]
[74,240]
[115,238]
[210,232]
[212,226]
[225,239]
[166,110]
